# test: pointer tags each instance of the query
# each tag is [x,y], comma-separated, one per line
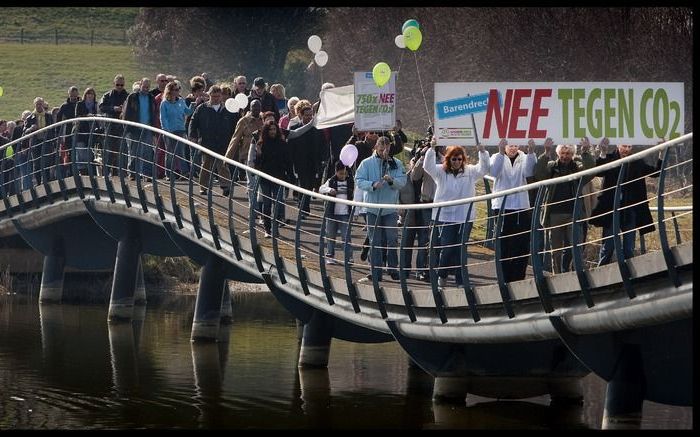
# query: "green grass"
[46,70]
[73,24]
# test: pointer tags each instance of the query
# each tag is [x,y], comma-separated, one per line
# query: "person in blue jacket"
[381,176]
[173,111]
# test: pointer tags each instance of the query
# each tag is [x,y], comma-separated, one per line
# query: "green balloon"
[1,91]
[412,36]
[381,73]
[409,23]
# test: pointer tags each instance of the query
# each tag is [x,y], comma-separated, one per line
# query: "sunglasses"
[118,84]
[456,159]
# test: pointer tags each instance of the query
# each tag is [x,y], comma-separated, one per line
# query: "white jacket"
[511,175]
[449,187]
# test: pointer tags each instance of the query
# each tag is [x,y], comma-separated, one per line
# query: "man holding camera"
[419,220]
[381,176]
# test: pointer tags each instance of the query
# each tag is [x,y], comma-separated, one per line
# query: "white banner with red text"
[638,113]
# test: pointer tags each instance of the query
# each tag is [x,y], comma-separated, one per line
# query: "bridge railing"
[288,229]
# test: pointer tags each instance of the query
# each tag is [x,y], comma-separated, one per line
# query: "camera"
[418,145]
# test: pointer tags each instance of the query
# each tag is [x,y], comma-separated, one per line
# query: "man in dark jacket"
[111,105]
[140,107]
[267,100]
[558,209]
[67,112]
[212,126]
[634,192]
[306,153]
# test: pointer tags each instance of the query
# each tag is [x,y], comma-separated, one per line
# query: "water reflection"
[123,351]
[209,362]
[315,396]
[65,367]
[508,415]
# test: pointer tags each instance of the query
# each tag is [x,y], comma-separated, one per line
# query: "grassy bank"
[47,70]
[71,24]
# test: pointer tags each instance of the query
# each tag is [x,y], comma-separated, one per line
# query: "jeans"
[141,152]
[83,155]
[177,150]
[628,220]
[335,223]
[450,247]
[44,160]
[386,236]
[7,175]
[269,195]
[24,166]
[420,230]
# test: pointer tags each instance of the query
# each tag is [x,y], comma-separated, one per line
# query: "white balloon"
[321,58]
[348,154]
[399,41]
[314,43]
[231,105]
[242,100]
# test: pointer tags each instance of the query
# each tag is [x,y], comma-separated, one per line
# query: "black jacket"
[632,192]
[214,128]
[275,159]
[31,121]
[82,111]
[267,101]
[67,110]
[306,152]
[132,108]
[111,99]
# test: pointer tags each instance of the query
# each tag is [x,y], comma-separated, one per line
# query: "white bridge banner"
[638,113]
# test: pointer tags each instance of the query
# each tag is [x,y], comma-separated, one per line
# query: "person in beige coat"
[240,142]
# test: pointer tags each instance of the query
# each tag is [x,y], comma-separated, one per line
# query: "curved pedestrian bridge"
[477,336]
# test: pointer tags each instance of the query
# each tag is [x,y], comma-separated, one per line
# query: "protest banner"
[638,113]
[375,108]
[337,107]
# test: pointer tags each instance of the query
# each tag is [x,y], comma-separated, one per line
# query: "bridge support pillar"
[140,292]
[450,389]
[316,341]
[625,392]
[226,309]
[207,310]
[52,275]
[121,302]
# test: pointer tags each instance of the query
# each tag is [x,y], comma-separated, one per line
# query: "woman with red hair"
[454,179]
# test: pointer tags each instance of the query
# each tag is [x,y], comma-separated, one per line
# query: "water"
[65,367]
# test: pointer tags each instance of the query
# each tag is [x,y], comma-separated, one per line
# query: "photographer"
[418,221]
[381,176]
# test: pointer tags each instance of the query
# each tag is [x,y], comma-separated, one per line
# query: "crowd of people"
[275,135]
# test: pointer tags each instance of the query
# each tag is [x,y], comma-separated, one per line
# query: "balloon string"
[400,62]
[421,89]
